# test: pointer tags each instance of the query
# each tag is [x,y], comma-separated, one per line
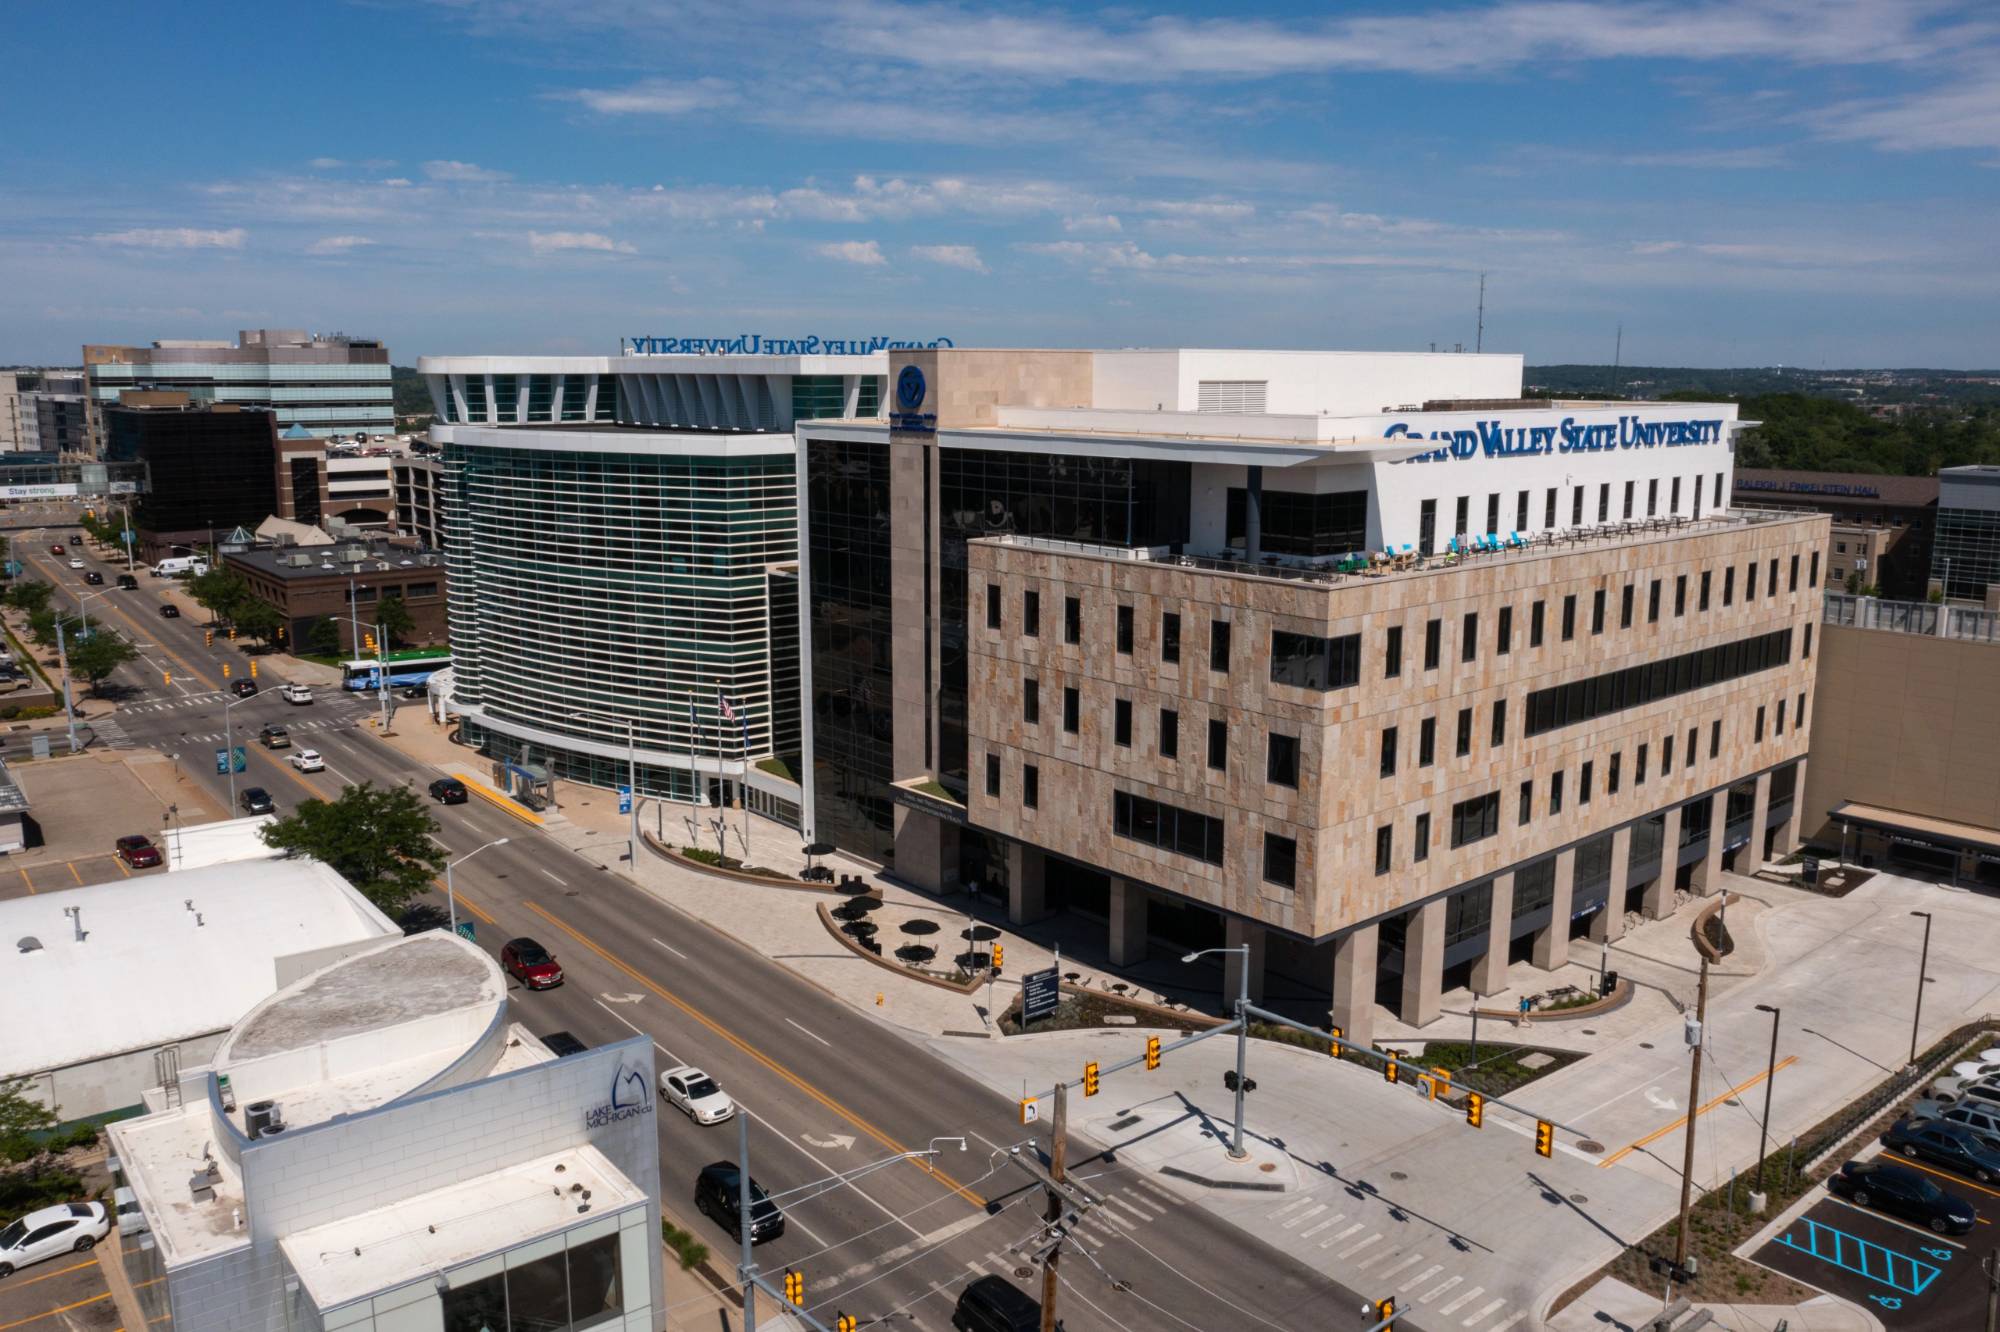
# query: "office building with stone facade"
[1882,527]
[1361,663]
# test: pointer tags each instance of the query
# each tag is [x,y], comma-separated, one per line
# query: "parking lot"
[1901,1273]
[59,1295]
[79,806]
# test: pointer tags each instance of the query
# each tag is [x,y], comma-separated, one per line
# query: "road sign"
[465,931]
[1041,991]
[242,759]
[222,760]
[624,800]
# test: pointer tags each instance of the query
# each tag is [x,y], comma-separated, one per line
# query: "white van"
[178,565]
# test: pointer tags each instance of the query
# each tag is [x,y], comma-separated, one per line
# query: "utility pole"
[1991,1267]
[1058,1153]
[1694,1099]
[743,1219]
[1479,337]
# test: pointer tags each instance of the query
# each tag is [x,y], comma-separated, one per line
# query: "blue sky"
[1750,182]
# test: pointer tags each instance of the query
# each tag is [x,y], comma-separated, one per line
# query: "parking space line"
[1864,1258]
[25,879]
[50,1313]
[1959,1180]
[1659,1133]
[74,875]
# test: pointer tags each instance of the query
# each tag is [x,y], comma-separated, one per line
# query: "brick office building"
[344,582]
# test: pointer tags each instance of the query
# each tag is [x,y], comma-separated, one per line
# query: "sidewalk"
[1613,1306]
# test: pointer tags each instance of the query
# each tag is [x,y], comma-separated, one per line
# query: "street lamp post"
[1923,967]
[631,783]
[229,740]
[1236,1152]
[451,894]
[62,661]
[1770,1077]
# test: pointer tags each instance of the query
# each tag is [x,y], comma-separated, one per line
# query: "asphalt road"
[828,1089]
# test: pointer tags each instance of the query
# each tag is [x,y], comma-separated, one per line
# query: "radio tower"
[1479,337]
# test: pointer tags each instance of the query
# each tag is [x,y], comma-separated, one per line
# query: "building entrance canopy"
[1916,830]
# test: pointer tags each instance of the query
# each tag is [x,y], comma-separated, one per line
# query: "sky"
[1748,182]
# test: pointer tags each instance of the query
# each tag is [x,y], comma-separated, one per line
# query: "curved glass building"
[624,553]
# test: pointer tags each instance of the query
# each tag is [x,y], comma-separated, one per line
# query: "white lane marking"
[936,1239]
[1439,1289]
[1404,1266]
[558,879]
[1463,1300]
[671,949]
[816,1036]
[1483,1314]
[1305,1216]
[1372,1239]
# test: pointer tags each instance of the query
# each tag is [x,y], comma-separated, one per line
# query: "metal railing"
[1913,617]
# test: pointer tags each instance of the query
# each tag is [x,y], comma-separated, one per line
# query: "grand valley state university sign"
[1496,439]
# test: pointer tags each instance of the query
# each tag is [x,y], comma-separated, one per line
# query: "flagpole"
[743,787]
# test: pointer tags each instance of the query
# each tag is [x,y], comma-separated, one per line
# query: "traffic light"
[1152,1052]
[208,638]
[1090,1078]
[253,668]
[1545,1138]
[167,678]
[225,670]
[232,633]
[1440,1082]
[1385,1309]
[844,1323]
[999,956]
[281,633]
[795,1287]
[1390,1069]
[1475,1109]
[1334,1049]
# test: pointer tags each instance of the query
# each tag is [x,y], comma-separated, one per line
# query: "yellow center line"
[794,1079]
[464,901]
[25,879]
[139,633]
[1659,1133]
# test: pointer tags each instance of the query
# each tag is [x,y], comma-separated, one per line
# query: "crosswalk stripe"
[1349,1253]
[1419,1278]
[1305,1216]
[1439,1289]
[1333,1220]
[1403,1266]
[1296,1202]
[1328,1244]
[1463,1300]
[1117,1201]
[1483,1314]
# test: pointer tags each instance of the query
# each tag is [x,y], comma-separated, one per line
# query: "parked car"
[94,578]
[1953,1090]
[169,611]
[127,583]
[1976,1117]
[308,760]
[131,1218]
[448,791]
[530,963]
[1903,1192]
[297,695]
[717,1195]
[64,1228]
[995,1304]
[1944,1144]
[696,1095]
[562,1044]
[256,800]
[1972,1070]
[138,851]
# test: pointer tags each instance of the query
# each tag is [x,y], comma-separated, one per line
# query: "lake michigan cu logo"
[631,1094]
[910,388]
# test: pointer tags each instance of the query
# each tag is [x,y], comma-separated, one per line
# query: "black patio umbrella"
[860,929]
[863,902]
[979,933]
[916,953]
[920,926]
[849,911]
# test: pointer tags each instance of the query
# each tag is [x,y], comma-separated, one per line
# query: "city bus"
[413,667]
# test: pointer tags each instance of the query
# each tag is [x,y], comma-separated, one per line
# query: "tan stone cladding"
[1343,795]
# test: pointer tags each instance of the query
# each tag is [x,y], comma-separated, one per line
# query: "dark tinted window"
[1315,663]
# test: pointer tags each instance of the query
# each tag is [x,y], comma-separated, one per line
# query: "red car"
[138,851]
[530,963]
[57,550]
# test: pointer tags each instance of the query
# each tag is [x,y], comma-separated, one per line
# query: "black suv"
[562,1044]
[448,791]
[994,1304]
[715,1194]
[256,800]
[1903,1192]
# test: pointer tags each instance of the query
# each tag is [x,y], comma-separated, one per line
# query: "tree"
[323,639]
[22,1122]
[29,595]
[259,619]
[220,592]
[394,618]
[379,840]
[97,656]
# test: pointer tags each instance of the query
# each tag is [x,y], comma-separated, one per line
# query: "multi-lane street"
[829,1090]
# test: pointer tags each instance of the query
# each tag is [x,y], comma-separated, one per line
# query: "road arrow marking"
[622,998]
[841,1140]
[1659,1102]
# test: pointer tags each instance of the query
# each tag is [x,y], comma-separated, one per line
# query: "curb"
[674,856]
[907,973]
[491,796]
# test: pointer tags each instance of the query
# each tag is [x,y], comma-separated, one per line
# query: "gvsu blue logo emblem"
[910,388]
[631,1094]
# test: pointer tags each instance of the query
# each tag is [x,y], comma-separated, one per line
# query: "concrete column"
[1354,984]
[1609,923]
[1660,894]
[1027,889]
[1423,964]
[1788,831]
[1551,946]
[1240,933]
[1708,874]
[1128,923]
[1489,972]
[1760,814]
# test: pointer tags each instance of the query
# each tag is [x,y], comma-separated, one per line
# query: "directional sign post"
[1041,992]
[242,759]
[624,800]
[465,931]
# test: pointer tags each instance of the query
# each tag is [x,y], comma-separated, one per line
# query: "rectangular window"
[1031,702]
[1070,708]
[1463,526]
[1807,655]
[1170,637]
[1549,509]
[1628,500]
[1315,663]
[993,605]
[1121,722]
[1218,646]
[1427,527]
[1639,767]
[1464,732]
[1031,614]
[1218,744]
[1072,620]
[1521,512]
[1031,786]
[1420,839]
[1301,523]
[1492,514]
[1170,733]
[1182,831]
[1799,713]
[1707,577]
[1504,639]
[1680,595]
[1757,735]
[1569,617]
[1750,581]
[1526,808]
[1691,751]
[1433,643]
[1556,793]
[1729,585]
[1499,722]
[1715,739]
[1597,611]
[1583,782]
[1468,637]
[1587,699]
[1792,582]
[1385,848]
[1666,755]
[1427,735]
[1281,860]
[1392,652]
[1652,497]
[1812,571]
[1778,722]
[1475,820]
[1576,507]
[1388,751]
[1604,503]
[1674,497]
[1771,578]
[1124,631]
[1535,625]
[1625,607]
[1653,602]
[1718,490]
[1281,760]
[1611,775]
[993,774]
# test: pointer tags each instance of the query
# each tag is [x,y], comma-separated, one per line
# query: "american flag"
[722,706]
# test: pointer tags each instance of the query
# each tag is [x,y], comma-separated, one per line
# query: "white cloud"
[325,163]
[464,172]
[1950,115]
[951,256]
[397,182]
[868,254]
[653,97]
[549,242]
[175,238]
[337,244]
[1092,222]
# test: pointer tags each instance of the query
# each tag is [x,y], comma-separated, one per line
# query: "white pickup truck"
[297,694]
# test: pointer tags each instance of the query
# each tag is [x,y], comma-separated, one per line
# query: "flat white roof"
[221,843]
[418,1237]
[164,957]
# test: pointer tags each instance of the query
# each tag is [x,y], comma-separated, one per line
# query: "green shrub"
[691,1251]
